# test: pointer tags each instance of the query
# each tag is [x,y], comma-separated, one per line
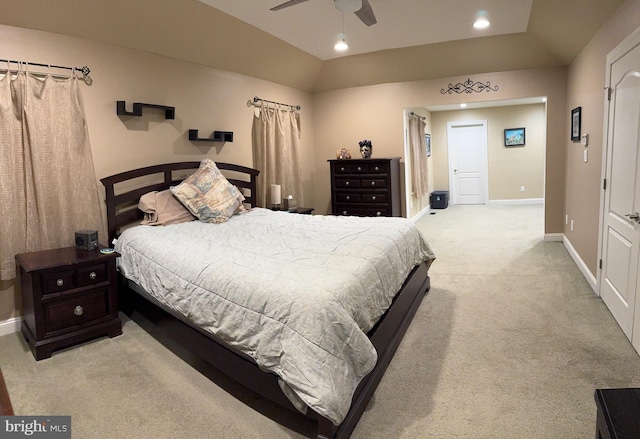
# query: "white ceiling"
[314,26]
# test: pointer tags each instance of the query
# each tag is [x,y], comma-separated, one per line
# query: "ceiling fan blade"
[287,4]
[366,15]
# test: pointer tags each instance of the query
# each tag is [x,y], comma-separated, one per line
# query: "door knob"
[634,216]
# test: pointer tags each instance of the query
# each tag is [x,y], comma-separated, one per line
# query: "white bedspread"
[297,293]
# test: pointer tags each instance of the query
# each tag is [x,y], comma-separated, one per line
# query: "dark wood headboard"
[122,208]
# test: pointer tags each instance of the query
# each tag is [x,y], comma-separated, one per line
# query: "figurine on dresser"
[365,148]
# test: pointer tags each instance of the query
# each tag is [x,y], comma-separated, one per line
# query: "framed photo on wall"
[514,137]
[427,138]
[576,121]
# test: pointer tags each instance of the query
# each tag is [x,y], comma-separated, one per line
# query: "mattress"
[296,293]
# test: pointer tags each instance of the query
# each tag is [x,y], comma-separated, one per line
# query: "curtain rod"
[84,69]
[256,99]
[422,118]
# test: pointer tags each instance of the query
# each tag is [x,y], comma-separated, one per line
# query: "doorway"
[468,166]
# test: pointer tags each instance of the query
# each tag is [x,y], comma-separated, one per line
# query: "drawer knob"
[93,275]
[342,169]
[373,183]
[78,310]
[59,282]
[378,213]
[347,183]
[373,198]
[359,168]
[348,197]
[377,168]
[344,212]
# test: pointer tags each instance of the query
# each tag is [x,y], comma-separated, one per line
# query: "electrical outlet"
[521,188]
[572,225]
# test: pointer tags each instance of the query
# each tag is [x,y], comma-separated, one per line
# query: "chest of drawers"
[366,187]
[69,296]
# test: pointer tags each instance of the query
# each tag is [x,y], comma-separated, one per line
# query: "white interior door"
[467,144]
[620,232]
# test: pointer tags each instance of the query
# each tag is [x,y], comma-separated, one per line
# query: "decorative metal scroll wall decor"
[469,86]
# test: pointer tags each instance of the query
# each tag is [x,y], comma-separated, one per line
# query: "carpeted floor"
[511,342]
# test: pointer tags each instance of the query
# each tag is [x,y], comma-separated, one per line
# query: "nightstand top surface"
[59,257]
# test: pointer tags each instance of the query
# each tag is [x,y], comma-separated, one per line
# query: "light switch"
[585,139]
[586,155]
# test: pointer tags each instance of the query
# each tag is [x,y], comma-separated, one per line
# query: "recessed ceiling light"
[482,20]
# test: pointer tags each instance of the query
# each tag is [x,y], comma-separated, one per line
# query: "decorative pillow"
[162,208]
[208,194]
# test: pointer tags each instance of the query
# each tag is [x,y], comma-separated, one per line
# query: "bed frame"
[385,336]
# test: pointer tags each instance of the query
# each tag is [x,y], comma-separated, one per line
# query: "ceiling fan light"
[341,45]
[348,5]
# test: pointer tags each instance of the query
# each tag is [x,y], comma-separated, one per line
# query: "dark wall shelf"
[169,112]
[218,136]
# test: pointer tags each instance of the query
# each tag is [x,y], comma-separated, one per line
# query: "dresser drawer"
[376,183]
[342,168]
[347,183]
[362,211]
[375,198]
[68,313]
[348,198]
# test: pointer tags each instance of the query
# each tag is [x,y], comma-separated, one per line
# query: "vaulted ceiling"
[413,39]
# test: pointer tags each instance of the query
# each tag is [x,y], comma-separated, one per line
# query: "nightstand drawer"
[91,275]
[68,313]
[60,281]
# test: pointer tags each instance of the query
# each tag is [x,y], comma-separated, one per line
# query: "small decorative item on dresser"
[87,239]
[343,154]
[366,149]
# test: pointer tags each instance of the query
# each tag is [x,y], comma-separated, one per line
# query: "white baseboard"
[521,201]
[559,237]
[420,214]
[10,326]
[581,265]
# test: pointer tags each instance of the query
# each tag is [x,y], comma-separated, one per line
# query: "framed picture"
[427,138]
[576,120]
[514,137]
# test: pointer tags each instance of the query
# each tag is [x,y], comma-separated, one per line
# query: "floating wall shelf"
[218,136]
[169,112]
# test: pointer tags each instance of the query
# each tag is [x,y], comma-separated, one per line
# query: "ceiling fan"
[361,8]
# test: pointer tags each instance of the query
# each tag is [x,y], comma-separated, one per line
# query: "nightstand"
[69,296]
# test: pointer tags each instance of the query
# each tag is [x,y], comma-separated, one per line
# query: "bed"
[258,251]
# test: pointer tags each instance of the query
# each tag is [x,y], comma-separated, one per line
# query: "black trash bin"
[439,199]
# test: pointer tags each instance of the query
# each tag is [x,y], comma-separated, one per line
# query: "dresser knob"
[347,183]
[348,197]
[342,169]
[378,213]
[359,168]
[377,168]
[373,183]
[78,310]
[344,212]
[59,282]
[93,275]
[373,198]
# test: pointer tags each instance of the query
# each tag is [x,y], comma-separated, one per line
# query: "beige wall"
[205,99]
[509,168]
[343,117]
[586,81]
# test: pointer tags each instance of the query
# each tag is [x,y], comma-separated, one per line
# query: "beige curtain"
[276,153]
[48,187]
[418,153]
